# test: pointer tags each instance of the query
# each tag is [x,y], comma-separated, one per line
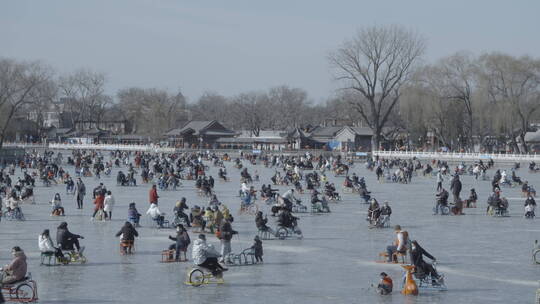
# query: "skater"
[455,186]
[153,195]
[109,204]
[99,205]
[440,180]
[81,192]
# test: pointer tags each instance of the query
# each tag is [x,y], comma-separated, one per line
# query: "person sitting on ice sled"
[422,266]
[206,256]
[399,246]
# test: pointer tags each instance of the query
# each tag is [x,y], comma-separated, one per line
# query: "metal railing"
[158,149]
[112,147]
[457,155]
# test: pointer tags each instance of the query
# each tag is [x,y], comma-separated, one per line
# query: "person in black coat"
[530,201]
[211,181]
[261,223]
[179,210]
[456,187]
[181,244]
[471,201]
[128,232]
[379,172]
[66,240]
[417,253]
[257,249]
[496,179]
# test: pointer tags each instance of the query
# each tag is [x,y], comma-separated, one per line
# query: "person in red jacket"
[153,196]
[99,204]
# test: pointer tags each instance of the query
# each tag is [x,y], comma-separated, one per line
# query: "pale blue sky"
[235,46]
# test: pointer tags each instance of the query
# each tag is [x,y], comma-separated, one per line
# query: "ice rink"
[484,259]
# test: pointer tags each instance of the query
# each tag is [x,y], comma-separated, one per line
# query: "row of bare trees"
[21,84]
[152,111]
[279,108]
[466,100]
[31,90]
[461,100]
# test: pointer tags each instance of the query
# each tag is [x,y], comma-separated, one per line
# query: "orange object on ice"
[410,287]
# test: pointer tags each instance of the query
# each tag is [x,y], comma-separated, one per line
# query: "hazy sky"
[232,46]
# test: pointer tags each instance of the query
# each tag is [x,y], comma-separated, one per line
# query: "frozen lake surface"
[484,259]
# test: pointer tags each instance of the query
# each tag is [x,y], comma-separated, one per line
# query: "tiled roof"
[197,126]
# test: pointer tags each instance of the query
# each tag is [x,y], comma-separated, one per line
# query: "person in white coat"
[503,179]
[109,204]
[206,256]
[156,214]
[57,208]
[12,203]
[244,189]
[46,245]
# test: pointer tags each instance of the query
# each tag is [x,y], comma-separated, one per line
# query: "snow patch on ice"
[290,249]
[446,270]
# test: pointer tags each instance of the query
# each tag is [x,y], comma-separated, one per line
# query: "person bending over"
[385,285]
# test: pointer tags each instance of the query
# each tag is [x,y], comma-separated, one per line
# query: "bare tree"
[19,85]
[41,103]
[287,105]
[85,97]
[251,111]
[210,106]
[341,108]
[457,75]
[376,63]
[152,111]
[515,83]
[414,113]
[445,111]
[130,100]
[280,108]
